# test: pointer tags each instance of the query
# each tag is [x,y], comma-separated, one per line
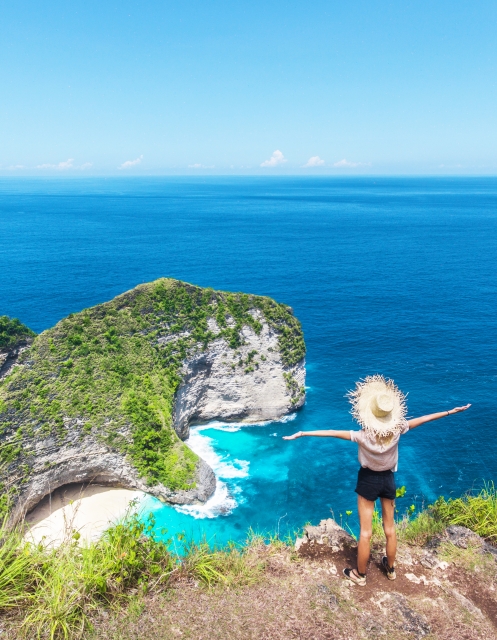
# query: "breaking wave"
[228,471]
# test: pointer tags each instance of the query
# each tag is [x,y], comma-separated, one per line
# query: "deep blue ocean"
[387,275]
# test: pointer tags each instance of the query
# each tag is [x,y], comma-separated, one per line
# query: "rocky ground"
[446,590]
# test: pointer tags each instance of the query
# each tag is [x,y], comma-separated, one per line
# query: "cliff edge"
[108,394]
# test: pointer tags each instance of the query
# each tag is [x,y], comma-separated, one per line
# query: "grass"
[234,565]
[419,529]
[15,562]
[476,512]
[470,559]
[111,373]
[57,591]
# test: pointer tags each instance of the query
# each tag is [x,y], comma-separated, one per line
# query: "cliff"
[108,394]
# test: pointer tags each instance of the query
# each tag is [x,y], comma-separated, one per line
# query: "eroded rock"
[328,533]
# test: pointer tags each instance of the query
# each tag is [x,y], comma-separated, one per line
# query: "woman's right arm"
[330,433]
[416,422]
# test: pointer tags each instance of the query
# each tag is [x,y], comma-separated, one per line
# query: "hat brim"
[361,397]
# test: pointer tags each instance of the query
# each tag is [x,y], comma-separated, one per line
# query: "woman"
[379,407]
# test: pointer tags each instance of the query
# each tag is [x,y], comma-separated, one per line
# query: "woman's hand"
[293,437]
[458,409]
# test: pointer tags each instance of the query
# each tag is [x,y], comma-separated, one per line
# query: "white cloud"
[13,167]
[68,164]
[197,165]
[131,163]
[315,161]
[350,165]
[62,166]
[276,159]
[86,165]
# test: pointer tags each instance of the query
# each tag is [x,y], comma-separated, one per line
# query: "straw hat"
[379,406]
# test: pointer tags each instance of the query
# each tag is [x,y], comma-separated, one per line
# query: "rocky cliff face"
[251,383]
[108,394]
[10,356]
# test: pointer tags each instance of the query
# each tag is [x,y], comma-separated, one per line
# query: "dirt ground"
[307,597]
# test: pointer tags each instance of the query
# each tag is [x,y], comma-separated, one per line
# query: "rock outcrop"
[9,357]
[108,394]
[327,533]
[438,591]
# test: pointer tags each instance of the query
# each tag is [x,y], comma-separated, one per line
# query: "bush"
[12,331]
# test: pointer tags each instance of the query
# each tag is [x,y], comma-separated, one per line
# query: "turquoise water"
[395,276]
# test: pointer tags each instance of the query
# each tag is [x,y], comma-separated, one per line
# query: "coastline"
[87,510]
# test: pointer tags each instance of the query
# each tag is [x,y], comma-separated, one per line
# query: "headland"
[108,394]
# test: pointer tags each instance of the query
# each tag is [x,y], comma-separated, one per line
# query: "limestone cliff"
[108,394]
[250,383]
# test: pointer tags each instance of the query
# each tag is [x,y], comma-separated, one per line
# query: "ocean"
[387,275]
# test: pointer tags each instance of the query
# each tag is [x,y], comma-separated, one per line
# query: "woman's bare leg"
[365,508]
[388,512]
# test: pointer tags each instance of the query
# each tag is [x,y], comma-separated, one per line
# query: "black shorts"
[375,484]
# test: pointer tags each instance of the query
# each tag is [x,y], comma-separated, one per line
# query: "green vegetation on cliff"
[12,331]
[114,369]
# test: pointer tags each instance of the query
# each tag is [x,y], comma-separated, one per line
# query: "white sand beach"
[87,509]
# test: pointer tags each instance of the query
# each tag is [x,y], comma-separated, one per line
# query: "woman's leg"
[388,512]
[365,508]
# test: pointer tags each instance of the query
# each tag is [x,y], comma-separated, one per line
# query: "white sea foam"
[222,466]
[223,501]
[220,503]
[236,426]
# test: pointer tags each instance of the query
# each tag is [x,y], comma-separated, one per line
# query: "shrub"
[12,331]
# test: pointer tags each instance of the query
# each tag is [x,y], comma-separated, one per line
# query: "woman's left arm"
[330,433]
[416,422]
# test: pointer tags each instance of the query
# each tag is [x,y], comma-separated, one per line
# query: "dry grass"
[305,599]
[471,560]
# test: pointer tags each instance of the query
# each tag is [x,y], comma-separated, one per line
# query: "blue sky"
[245,86]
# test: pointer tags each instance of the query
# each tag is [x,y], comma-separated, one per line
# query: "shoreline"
[86,509]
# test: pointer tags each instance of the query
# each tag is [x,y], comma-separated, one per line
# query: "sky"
[159,87]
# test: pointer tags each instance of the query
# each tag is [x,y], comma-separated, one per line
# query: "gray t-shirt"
[378,455]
